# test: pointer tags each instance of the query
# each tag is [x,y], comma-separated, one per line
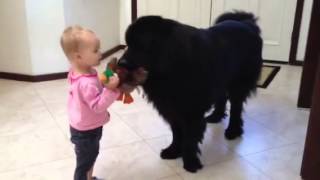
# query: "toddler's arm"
[97,101]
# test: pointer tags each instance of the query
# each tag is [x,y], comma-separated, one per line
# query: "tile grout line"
[275,132]
[269,149]
[257,168]
[51,114]
[145,142]
[34,165]
[224,145]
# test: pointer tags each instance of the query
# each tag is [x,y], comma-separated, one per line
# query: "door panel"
[276,18]
[193,12]
[165,8]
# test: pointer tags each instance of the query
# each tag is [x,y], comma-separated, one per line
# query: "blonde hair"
[71,39]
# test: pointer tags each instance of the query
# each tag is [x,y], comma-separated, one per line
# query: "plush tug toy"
[126,98]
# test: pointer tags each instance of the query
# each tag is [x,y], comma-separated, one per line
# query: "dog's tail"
[241,16]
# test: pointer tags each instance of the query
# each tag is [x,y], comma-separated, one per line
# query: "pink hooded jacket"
[88,101]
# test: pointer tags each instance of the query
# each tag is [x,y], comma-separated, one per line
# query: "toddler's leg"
[87,150]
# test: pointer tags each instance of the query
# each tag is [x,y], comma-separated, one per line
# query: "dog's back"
[240,16]
[238,45]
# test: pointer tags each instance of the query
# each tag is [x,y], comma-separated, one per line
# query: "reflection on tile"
[23,120]
[117,133]
[34,147]
[236,169]
[255,139]
[52,91]
[133,161]
[279,163]
[58,110]
[291,124]
[57,170]
[175,177]
[212,151]
[146,122]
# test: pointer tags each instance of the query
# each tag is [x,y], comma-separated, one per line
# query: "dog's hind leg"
[219,110]
[192,136]
[237,98]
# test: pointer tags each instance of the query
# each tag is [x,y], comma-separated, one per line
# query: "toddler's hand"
[113,82]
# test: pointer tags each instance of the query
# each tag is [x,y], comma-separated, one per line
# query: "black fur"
[191,69]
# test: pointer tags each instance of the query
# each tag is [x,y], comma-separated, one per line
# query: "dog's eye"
[128,65]
[122,62]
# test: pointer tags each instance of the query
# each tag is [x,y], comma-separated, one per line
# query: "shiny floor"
[34,137]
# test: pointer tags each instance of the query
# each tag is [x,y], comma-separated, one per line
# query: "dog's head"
[129,80]
[145,38]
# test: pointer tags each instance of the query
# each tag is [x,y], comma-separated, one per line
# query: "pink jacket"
[88,101]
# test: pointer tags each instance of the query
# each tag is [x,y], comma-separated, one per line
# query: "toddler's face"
[90,50]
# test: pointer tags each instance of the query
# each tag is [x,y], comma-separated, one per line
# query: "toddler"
[88,98]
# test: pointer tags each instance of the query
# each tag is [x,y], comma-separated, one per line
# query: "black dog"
[189,70]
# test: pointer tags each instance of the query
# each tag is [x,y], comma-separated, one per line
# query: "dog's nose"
[123,62]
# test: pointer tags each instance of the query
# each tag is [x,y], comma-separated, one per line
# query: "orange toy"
[126,98]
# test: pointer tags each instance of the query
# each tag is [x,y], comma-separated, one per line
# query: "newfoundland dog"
[184,71]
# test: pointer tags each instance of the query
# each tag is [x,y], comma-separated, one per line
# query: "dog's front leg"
[193,134]
[174,150]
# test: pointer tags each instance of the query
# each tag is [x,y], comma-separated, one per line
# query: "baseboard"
[54,76]
[270,78]
[297,63]
[29,78]
[112,50]
[274,61]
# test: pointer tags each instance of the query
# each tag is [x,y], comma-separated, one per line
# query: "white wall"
[31,30]
[45,22]
[14,45]
[125,18]
[102,16]
[304,29]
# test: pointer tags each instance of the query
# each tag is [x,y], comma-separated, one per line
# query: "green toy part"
[108,73]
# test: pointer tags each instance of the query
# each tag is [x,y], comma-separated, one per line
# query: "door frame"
[134,10]
[311,60]
[294,38]
[296,34]
[311,78]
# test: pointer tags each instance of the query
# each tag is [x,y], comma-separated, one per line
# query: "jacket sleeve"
[96,100]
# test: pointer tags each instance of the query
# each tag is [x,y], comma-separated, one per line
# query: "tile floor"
[34,137]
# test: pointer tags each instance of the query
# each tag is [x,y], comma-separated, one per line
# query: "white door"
[192,12]
[276,18]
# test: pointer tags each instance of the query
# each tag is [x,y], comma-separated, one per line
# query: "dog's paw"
[170,153]
[192,165]
[215,117]
[233,133]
